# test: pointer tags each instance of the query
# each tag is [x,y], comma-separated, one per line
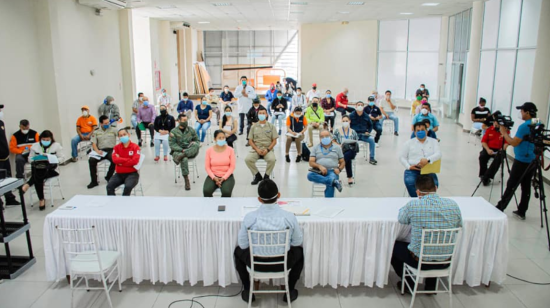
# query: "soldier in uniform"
[184,144]
[262,138]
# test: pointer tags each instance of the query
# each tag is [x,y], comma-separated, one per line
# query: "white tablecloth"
[187,239]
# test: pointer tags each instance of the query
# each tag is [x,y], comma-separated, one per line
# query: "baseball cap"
[528,106]
[314,85]
[298,109]
[371,98]
[85,107]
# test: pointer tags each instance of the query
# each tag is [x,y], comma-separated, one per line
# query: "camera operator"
[492,143]
[524,152]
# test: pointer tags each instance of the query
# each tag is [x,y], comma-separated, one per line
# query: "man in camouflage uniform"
[184,144]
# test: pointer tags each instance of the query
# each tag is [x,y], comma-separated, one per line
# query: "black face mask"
[163,112]
[314,105]
[314,88]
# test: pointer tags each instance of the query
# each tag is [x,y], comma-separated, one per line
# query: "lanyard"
[323,150]
[345,135]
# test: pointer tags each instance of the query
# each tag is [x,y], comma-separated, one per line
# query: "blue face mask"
[105,101]
[145,103]
[421,134]
[371,103]
[204,102]
[244,83]
[106,126]
[124,139]
[261,117]
[221,142]
[279,97]
[326,140]
[329,96]
[228,114]
[46,143]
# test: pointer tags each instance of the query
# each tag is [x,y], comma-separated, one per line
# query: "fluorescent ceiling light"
[203,22]
[298,3]
[222,4]
[166,7]
[356,3]
[343,12]
[406,13]
[430,4]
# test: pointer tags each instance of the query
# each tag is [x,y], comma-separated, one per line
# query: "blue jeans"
[327,180]
[410,180]
[133,120]
[395,120]
[201,127]
[74,145]
[269,107]
[280,118]
[165,149]
[370,141]
[377,126]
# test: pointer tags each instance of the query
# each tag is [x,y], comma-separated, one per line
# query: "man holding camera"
[524,152]
[492,143]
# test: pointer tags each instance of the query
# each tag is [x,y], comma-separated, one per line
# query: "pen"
[305,211]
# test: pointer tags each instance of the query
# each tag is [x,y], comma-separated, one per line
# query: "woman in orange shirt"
[220,164]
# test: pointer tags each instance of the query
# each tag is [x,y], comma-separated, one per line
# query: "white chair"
[103,167]
[476,133]
[83,147]
[261,164]
[138,187]
[434,241]
[269,241]
[193,169]
[363,147]
[217,193]
[49,185]
[318,190]
[80,249]
[389,122]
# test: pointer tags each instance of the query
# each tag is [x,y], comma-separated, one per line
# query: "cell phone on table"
[221,208]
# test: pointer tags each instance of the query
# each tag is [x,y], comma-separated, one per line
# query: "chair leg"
[450,292]
[118,275]
[416,281]
[287,292]
[106,287]
[60,190]
[403,281]
[251,291]
[50,186]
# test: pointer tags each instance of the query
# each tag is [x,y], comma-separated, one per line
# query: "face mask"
[141,98]
[424,111]
[244,83]
[185,99]
[328,95]
[346,94]
[25,131]
[279,97]
[256,107]
[124,139]
[297,115]
[46,143]
[106,126]
[418,98]
[228,114]
[221,142]
[163,112]
[183,125]
[261,117]
[314,88]
[345,124]
[481,107]
[204,102]
[225,90]
[359,108]
[299,93]
[326,140]
[105,102]
[421,89]
[145,103]
[85,113]
[163,94]
[421,134]
[371,104]
[314,105]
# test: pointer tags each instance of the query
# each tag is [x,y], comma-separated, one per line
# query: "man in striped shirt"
[429,211]
[270,217]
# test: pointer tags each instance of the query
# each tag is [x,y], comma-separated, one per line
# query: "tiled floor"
[529,255]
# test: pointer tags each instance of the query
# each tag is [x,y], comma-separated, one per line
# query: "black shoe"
[240,133]
[245,295]
[279,132]
[373,161]
[486,182]
[500,208]
[266,176]
[92,185]
[12,202]
[287,158]
[293,296]
[107,179]
[298,158]
[337,185]
[257,179]
[247,144]
[139,143]
[152,144]
[396,134]
[518,215]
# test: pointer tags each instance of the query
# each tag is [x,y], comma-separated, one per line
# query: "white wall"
[326,57]
[142,56]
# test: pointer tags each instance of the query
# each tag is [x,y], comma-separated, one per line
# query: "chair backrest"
[268,244]
[437,246]
[79,244]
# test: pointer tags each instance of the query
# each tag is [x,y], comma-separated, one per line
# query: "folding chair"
[193,169]
[80,249]
[434,241]
[273,241]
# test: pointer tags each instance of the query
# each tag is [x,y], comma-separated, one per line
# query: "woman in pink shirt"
[219,164]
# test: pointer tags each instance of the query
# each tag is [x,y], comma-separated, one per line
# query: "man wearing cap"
[342,102]
[85,125]
[103,143]
[20,145]
[270,217]
[135,107]
[110,109]
[524,154]
[312,93]
[245,93]
[375,115]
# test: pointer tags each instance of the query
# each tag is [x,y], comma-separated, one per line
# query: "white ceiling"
[282,14]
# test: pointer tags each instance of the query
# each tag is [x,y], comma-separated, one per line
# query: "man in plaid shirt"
[429,211]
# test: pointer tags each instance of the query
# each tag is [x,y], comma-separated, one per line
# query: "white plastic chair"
[83,147]
[363,147]
[103,167]
[85,260]
[474,133]
[270,241]
[434,241]
[49,185]
[317,190]
[193,169]
[389,122]
[261,164]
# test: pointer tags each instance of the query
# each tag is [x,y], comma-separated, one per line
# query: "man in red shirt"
[125,156]
[492,144]
[342,102]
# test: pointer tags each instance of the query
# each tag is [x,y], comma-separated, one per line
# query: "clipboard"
[434,167]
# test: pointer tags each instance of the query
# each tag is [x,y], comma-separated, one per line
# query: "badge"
[131,153]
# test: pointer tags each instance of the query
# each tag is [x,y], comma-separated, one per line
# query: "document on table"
[297,210]
[158,136]
[434,167]
[328,212]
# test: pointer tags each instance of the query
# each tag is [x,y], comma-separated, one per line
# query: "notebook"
[434,167]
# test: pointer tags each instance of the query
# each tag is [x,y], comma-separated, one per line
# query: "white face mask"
[141,98]
[424,111]
[359,108]
[345,124]
[25,131]
[85,113]
[226,90]
[299,92]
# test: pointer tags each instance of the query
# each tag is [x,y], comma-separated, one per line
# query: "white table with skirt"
[164,239]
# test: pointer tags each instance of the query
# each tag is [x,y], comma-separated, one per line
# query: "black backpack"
[305,152]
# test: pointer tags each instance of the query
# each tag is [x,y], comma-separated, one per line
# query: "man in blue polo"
[524,152]
[375,115]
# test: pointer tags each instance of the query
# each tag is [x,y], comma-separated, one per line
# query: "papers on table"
[328,212]
[95,155]
[158,136]
[297,210]
[52,159]
[434,167]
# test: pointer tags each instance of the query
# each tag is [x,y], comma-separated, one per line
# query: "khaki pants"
[297,141]
[253,157]
[310,132]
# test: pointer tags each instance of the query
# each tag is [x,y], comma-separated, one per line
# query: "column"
[127,60]
[540,91]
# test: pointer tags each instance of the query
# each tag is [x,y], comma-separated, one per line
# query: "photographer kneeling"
[492,143]
[524,152]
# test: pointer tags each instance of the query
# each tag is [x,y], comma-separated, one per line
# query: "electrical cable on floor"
[537,283]
[193,299]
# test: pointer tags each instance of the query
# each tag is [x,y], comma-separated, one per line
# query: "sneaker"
[247,144]
[240,133]
[396,134]
[309,145]
[407,291]
[377,146]
[518,215]
[337,185]
[373,161]
[287,158]
[157,158]
[92,185]
[293,296]
[73,160]
[245,295]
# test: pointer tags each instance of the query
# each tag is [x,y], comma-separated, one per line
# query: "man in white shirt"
[245,94]
[164,100]
[388,111]
[135,107]
[418,153]
[312,93]
[299,99]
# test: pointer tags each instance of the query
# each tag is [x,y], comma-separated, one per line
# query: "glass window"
[490,24]
[509,27]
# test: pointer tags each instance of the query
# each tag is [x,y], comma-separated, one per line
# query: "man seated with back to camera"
[429,211]
[270,217]
[492,143]
[524,154]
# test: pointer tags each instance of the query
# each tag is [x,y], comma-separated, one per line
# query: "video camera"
[538,135]
[502,120]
